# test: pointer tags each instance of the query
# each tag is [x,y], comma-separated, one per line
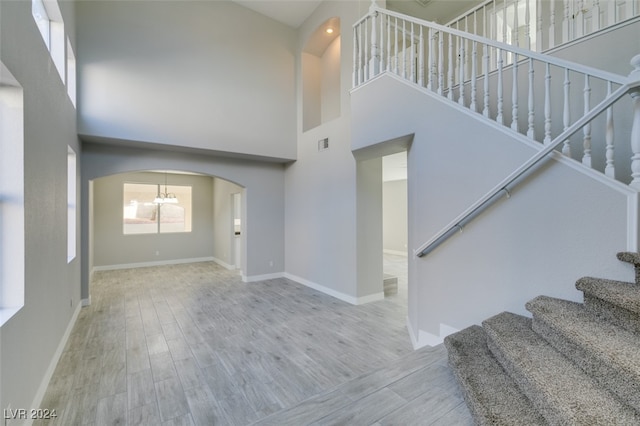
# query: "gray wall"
[263,201]
[200,74]
[112,248]
[321,186]
[30,340]
[394,216]
[511,253]
[223,249]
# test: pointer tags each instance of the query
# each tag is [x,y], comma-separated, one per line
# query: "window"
[141,215]
[11,195]
[71,73]
[48,18]
[71,204]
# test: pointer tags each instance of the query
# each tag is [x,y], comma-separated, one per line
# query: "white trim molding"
[334,293]
[44,384]
[264,277]
[155,263]
[224,264]
[423,338]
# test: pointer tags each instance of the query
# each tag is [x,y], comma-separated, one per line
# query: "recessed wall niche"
[321,75]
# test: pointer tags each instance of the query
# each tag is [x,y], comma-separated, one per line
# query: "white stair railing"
[465,67]
[543,24]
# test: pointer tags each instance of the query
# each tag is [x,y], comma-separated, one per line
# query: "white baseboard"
[44,384]
[155,263]
[396,252]
[334,293]
[254,278]
[422,338]
[86,302]
[224,264]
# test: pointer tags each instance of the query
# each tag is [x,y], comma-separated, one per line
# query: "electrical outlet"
[271,263]
[157,253]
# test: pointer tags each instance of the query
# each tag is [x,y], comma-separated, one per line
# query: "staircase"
[572,363]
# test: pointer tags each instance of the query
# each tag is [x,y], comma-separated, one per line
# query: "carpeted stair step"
[614,301]
[559,390]
[491,395]
[632,258]
[607,353]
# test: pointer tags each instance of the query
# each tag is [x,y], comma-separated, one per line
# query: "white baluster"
[527,26]
[516,25]
[514,94]
[552,24]
[566,22]
[461,70]
[609,169]
[404,49]
[474,72]
[361,56]
[595,13]
[421,59]
[374,59]
[500,117]
[635,127]
[485,110]
[566,115]
[504,22]
[547,105]
[531,105]
[395,65]
[450,70]
[366,51]
[389,43]
[355,57]
[612,12]
[539,23]
[412,57]
[431,58]
[586,130]
[440,62]
[382,66]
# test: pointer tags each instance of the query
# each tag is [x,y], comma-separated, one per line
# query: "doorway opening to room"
[163,217]
[395,226]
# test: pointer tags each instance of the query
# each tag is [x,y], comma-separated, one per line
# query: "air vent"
[323,144]
[423,2]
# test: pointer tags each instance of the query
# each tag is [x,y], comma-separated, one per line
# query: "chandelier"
[165,197]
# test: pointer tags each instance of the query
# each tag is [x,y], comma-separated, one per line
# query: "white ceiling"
[294,12]
[290,12]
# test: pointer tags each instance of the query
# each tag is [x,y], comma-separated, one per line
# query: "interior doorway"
[395,225]
[236,205]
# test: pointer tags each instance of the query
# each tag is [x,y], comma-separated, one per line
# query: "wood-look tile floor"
[193,345]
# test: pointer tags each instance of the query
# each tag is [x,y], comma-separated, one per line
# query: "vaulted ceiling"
[294,12]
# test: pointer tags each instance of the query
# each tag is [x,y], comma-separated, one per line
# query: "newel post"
[635,126]
[374,62]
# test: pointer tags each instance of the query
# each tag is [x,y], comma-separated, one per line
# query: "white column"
[586,130]
[609,169]
[566,115]
[635,127]
[374,60]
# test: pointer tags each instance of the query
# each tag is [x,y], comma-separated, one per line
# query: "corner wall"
[263,201]
[32,340]
[321,203]
[559,225]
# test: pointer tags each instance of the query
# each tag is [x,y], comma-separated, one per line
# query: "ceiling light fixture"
[329,30]
[165,197]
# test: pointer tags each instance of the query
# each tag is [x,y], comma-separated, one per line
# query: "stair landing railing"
[493,79]
[541,25]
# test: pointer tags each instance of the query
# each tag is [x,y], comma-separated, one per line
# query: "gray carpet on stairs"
[491,395]
[606,352]
[614,301]
[561,392]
